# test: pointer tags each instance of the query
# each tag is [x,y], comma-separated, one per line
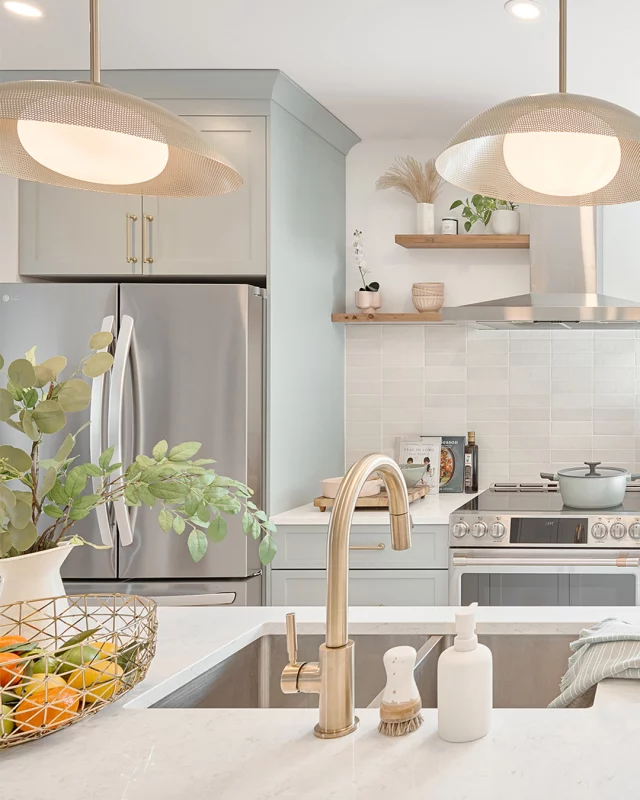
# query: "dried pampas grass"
[410,176]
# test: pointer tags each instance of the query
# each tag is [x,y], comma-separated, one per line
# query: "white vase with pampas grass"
[420,181]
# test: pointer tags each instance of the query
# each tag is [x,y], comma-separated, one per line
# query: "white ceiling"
[387,68]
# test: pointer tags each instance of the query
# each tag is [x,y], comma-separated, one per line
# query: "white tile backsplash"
[537,400]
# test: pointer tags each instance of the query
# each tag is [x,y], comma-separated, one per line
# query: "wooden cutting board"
[377,501]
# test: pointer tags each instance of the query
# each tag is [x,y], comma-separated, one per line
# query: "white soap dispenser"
[465,683]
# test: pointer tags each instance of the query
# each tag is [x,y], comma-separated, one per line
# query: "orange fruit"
[7,640]
[48,709]
[101,680]
[11,669]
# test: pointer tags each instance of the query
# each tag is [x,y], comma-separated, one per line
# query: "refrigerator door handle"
[96,440]
[116,403]
[217,599]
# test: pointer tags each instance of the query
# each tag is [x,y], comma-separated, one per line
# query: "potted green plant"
[368,298]
[503,213]
[42,498]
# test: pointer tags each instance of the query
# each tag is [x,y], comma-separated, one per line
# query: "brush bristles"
[400,728]
[410,176]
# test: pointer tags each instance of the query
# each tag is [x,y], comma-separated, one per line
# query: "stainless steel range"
[517,544]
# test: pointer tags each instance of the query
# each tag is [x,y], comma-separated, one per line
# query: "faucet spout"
[340,527]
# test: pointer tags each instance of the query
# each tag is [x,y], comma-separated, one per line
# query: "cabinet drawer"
[306,548]
[392,587]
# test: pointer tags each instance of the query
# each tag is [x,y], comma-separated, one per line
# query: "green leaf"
[267,550]
[261,516]
[23,538]
[455,204]
[55,364]
[74,395]
[29,426]
[64,451]
[203,513]
[145,461]
[97,365]
[217,529]
[58,494]
[169,490]
[133,470]
[255,529]
[74,640]
[30,355]
[230,505]
[467,226]
[5,543]
[160,450]
[269,526]
[191,505]
[48,482]
[247,522]
[49,416]
[132,494]
[79,513]
[76,481]
[86,501]
[198,544]
[53,511]
[16,458]
[7,405]
[30,398]
[7,497]
[22,373]
[184,451]
[93,470]
[113,468]
[105,458]
[100,340]
[165,518]
[178,525]
[145,496]
[44,375]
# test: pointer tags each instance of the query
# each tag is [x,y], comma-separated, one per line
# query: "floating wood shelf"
[467,241]
[424,316]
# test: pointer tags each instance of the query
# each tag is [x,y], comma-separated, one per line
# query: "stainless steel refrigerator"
[188,366]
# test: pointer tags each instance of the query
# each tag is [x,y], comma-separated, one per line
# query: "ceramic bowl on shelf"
[329,487]
[412,474]
[431,303]
[427,289]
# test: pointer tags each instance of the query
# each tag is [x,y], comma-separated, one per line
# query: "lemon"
[6,721]
[36,683]
[105,649]
[76,657]
[101,680]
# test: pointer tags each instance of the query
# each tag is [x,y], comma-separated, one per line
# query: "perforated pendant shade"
[599,140]
[46,123]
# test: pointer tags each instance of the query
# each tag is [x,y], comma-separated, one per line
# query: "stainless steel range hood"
[565,282]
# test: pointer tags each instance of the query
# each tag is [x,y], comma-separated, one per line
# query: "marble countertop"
[129,752]
[434,509]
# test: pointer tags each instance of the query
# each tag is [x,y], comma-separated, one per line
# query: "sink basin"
[527,672]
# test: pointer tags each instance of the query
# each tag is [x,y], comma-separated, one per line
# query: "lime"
[76,657]
[46,665]
[6,721]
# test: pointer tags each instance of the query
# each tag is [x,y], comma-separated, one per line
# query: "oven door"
[543,577]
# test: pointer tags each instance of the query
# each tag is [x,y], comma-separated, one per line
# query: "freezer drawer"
[247,592]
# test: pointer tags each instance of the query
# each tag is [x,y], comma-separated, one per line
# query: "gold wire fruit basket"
[63,658]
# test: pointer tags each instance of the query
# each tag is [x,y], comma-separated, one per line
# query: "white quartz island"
[129,752]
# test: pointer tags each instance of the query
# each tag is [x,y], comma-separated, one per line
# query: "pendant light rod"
[94,41]
[563,45]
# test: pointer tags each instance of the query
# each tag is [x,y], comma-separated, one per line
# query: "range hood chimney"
[565,280]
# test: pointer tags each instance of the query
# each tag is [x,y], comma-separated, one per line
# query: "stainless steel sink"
[527,672]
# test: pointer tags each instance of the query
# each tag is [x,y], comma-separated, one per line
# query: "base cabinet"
[389,587]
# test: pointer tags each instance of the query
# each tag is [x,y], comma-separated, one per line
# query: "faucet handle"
[292,639]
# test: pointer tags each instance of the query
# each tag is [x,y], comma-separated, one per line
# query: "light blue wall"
[306,284]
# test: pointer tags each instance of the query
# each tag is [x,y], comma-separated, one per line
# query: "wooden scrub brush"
[401,704]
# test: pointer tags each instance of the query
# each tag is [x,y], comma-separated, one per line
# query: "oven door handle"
[620,561]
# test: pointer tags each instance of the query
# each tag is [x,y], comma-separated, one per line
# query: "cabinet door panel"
[424,587]
[222,235]
[74,232]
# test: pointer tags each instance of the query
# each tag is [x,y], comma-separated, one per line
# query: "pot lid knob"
[592,469]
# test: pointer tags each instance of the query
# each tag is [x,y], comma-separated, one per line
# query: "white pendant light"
[555,149]
[88,136]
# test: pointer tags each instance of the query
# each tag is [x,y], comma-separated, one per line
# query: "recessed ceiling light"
[523,9]
[22,9]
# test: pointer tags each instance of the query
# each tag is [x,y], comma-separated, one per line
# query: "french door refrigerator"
[188,366]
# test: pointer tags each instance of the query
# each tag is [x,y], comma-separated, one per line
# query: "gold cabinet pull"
[130,221]
[367,546]
[146,238]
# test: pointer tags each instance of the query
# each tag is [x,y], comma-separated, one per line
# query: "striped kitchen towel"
[610,649]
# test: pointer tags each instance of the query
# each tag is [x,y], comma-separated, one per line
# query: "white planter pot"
[505,222]
[30,578]
[425,218]
[368,302]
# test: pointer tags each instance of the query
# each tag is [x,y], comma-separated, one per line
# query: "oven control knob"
[634,530]
[478,529]
[618,530]
[460,529]
[497,530]
[599,530]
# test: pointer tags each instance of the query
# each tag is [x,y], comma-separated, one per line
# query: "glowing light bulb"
[523,9]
